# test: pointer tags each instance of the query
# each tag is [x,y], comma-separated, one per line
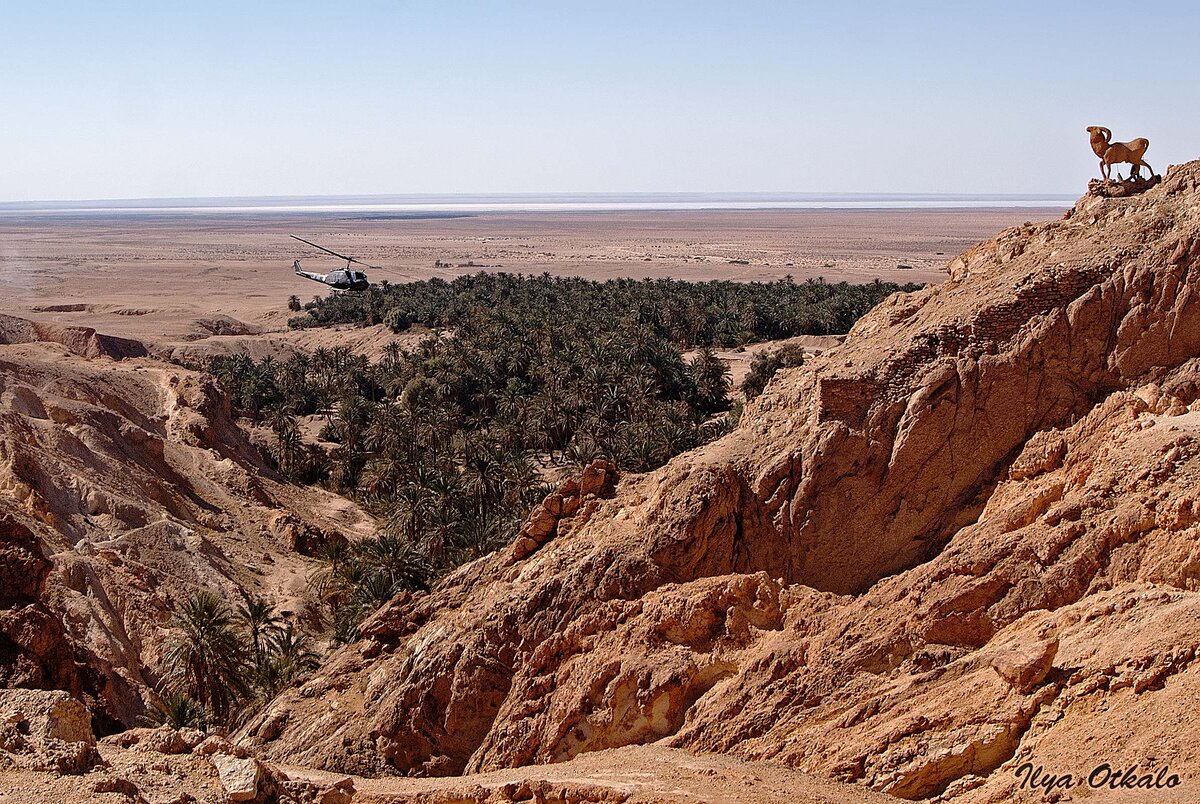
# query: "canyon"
[963,540]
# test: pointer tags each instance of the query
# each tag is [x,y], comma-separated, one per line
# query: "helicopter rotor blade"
[334,253]
[314,245]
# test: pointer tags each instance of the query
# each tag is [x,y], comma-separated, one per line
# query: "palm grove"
[451,444]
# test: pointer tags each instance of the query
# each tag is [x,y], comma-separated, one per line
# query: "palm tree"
[583,450]
[711,376]
[289,656]
[260,623]
[289,444]
[381,476]
[177,710]
[397,560]
[440,527]
[481,535]
[520,475]
[205,657]
[296,648]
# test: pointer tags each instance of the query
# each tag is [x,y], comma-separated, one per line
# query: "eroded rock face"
[46,730]
[35,650]
[996,474]
[560,507]
[124,488]
[83,341]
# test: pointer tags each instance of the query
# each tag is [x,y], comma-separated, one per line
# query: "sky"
[172,99]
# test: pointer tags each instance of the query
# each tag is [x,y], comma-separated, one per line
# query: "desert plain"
[172,278]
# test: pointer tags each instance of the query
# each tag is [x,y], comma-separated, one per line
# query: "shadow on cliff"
[807,587]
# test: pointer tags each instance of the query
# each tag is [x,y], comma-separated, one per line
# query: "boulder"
[216,744]
[341,792]
[599,478]
[116,784]
[302,537]
[553,503]
[47,730]
[524,547]
[239,776]
[1026,667]
[161,739]
[540,524]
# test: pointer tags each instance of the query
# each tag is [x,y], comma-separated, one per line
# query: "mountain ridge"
[903,513]
[963,540]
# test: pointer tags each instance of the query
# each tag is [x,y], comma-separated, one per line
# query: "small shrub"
[765,364]
[177,710]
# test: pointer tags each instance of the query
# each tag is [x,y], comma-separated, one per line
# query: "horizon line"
[217,201]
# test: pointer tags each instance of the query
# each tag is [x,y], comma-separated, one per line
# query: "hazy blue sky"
[135,99]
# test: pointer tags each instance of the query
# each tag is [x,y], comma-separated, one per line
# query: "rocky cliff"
[964,539]
[83,341]
[125,487]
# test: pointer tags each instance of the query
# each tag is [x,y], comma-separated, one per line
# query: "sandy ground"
[647,774]
[163,278]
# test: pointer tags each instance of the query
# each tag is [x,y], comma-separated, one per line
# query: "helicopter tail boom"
[307,274]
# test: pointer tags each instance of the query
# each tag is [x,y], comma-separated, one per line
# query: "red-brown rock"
[1026,667]
[971,472]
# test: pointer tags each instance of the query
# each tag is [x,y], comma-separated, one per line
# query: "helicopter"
[342,279]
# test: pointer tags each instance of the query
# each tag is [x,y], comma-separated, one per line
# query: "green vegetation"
[204,660]
[764,365]
[359,578]
[207,676]
[717,313]
[177,710]
[452,443]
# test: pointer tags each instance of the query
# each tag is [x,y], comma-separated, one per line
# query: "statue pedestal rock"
[1111,188]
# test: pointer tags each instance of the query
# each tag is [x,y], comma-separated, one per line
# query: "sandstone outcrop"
[83,341]
[46,731]
[572,497]
[1118,188]
[966,537]
[34,647]
[124,488]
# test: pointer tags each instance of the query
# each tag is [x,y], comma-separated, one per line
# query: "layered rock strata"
[920,558]
[125,487]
